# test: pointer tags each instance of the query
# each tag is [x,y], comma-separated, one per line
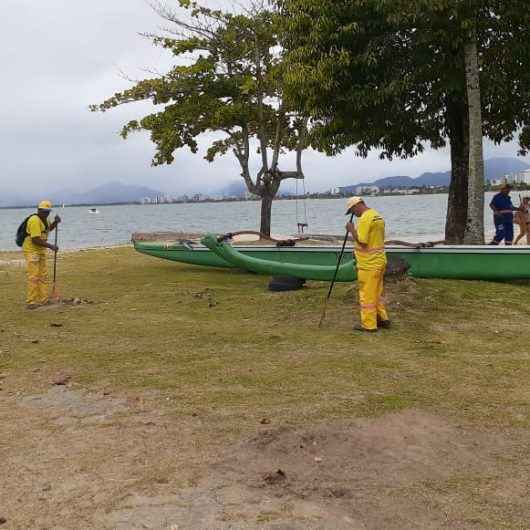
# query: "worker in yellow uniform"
[35,247]
[370,257]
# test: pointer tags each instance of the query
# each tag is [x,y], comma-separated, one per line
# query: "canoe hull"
[479,263]
[451,262]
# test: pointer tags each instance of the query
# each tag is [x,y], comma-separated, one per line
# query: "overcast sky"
[59,56]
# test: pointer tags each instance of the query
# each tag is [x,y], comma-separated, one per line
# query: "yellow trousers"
[371,297]
[37,273]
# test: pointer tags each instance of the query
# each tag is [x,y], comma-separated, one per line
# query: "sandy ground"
[71,459]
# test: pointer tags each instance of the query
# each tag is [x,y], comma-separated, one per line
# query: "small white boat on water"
[93,210]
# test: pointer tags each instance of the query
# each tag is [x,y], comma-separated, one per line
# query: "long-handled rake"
[55,296]
[334,277]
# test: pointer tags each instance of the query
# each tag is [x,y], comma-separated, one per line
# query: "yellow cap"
[352,201]
[45,205]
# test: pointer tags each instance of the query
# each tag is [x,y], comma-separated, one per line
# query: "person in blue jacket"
[503,209]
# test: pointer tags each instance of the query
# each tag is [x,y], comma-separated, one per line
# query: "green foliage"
[227,79]
[390,75]
[378,73]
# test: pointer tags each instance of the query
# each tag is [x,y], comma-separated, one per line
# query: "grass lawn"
[217,344]
[219,339]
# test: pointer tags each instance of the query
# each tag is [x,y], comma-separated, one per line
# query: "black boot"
[384,324]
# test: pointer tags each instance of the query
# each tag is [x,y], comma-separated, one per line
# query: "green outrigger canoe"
[318,262]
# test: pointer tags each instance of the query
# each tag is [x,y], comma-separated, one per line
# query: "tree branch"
[242,153]
[262,133]
[171,16]
[301,146]
[277,139]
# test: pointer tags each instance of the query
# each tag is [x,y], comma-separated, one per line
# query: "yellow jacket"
[370,232]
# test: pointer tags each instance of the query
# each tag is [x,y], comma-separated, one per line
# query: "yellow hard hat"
[352,201]
[45,205]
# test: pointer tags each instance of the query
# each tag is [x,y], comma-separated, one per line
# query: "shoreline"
[313,196]
[72,250]
[413,239]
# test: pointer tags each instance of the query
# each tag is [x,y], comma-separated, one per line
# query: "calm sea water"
[411,217]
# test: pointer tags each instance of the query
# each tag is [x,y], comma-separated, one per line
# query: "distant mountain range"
[113,192]
[106,194]
[494,168]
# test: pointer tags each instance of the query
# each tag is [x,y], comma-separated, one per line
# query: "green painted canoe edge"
[227,252]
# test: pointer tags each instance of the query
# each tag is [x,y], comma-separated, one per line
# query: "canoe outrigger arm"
[220,246]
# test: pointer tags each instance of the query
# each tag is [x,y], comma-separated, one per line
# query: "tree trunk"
[266,214]
[474,233]
[458,131]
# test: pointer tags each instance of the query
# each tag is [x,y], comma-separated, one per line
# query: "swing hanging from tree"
[301,211]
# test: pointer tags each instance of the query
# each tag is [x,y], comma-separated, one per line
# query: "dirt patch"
[77,459]
[69,456]
[399,448]
[362,475]
[65,406]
